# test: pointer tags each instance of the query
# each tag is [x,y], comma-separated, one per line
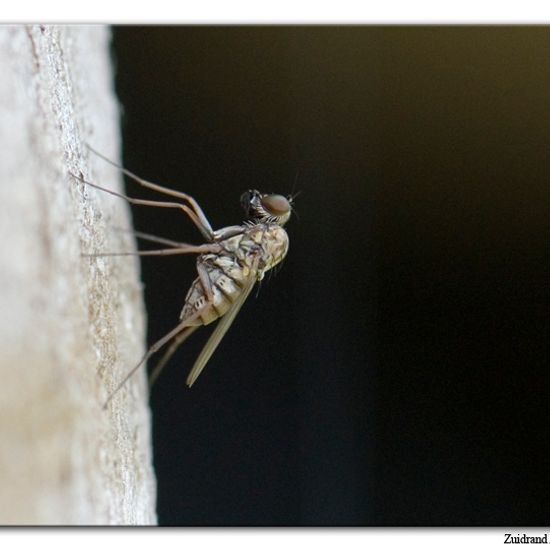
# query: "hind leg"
[178,341]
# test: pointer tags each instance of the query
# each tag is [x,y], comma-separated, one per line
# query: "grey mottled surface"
[70,326]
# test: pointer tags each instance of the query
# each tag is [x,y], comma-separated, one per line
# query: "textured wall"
[70,326]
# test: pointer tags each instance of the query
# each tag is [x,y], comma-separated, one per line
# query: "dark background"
[395,371]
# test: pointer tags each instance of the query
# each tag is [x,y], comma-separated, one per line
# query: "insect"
[229,264]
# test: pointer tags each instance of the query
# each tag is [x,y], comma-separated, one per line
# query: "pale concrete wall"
[70,326]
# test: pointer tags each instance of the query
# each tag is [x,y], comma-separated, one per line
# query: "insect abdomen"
[225,290]
[229,272]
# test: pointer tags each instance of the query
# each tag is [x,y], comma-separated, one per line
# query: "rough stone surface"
[70,326]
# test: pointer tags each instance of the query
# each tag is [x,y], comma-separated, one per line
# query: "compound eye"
[276,205]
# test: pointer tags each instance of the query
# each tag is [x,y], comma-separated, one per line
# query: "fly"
[228,265]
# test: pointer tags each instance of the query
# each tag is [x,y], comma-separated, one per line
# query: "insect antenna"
[295,182]
[294,194]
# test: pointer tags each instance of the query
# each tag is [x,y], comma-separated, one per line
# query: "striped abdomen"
[228,271]
[226,279]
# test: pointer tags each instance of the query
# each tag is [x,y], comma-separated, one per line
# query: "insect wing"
[222,327]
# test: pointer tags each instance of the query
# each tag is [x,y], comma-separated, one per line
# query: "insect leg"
[152,350]
[154,186]
[151,238]
[178,340]
[205,281]
[184,249]
[206,284]
[205,230]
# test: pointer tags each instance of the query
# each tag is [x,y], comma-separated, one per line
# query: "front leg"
[228,232]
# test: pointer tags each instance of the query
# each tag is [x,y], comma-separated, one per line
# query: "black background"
[395,371]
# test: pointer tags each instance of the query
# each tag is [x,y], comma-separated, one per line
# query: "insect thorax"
[268,240]
[230,269]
